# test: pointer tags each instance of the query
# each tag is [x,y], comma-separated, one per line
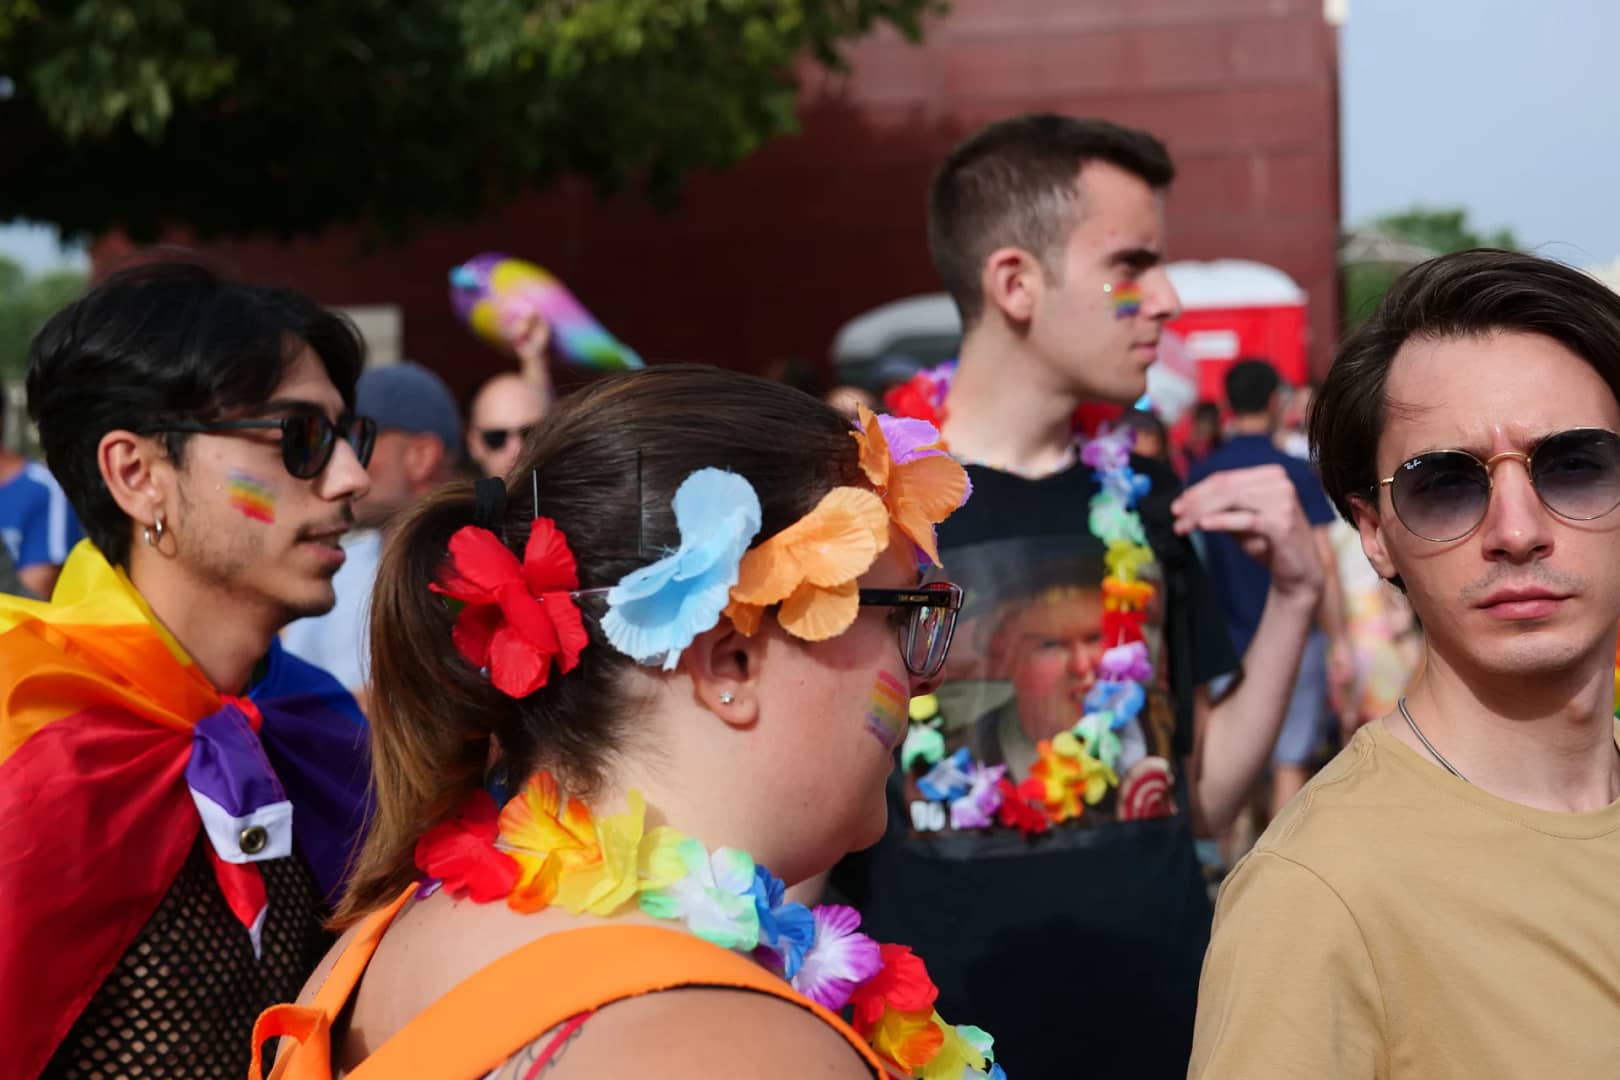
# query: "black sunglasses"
[307,439]
[1443,495]
[494,438]
[929,624]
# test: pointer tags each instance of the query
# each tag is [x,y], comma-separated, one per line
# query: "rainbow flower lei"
[545,847]
[1078,767]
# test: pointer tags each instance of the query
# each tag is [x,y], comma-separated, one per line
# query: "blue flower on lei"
[656,611]
[1127,485]
[787,929]
[1124,699]
[948,780]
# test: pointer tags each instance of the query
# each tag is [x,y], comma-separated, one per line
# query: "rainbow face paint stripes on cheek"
[1126,298]
[886,710]
[251,496]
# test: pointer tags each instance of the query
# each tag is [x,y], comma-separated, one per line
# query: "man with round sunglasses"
[178,796]
[1439,902]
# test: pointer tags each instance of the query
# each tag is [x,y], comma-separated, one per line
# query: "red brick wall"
[771,258]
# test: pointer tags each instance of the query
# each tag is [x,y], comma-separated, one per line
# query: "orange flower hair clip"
[917,480]
[811,567]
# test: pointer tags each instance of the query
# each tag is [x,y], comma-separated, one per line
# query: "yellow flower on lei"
[1073,779]
[1125,559]
[1095,776]
[570,859]
[911,1040]
[956,1055]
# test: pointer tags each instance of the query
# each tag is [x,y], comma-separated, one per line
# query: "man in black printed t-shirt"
[1039,854]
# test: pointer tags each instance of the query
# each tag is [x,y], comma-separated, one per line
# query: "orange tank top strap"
[497,1011]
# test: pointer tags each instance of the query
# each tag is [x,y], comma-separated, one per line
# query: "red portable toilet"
[1235,308]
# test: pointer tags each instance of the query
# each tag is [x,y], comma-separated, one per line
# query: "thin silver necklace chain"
[1427,745]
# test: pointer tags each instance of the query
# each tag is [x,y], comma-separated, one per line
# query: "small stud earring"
[727,697]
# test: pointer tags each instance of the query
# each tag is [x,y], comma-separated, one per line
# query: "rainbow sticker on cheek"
[1126,297]
[251,496]
[886,710]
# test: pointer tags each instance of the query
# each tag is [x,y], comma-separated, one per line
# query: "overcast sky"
[1510,108]
[1507,107]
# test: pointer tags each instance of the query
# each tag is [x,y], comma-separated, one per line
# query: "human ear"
[139,475]
[1370,525]
[1010,281]
[725,666]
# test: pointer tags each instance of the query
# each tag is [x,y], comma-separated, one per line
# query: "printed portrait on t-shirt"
[1023,700]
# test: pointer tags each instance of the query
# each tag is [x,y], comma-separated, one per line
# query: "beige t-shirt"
[1396,922]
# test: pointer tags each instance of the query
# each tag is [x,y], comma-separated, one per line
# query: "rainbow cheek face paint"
[251,496]
[886,710]
[1126,298]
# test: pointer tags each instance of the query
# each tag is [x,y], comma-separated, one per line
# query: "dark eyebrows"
[1137,258]
[293,407]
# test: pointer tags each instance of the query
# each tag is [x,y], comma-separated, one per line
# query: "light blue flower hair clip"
[655,612]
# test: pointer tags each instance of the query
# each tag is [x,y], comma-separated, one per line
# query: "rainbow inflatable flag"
[494,294]
[115,751]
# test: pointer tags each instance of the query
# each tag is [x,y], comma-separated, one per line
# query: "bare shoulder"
[318,977]
[693,1034]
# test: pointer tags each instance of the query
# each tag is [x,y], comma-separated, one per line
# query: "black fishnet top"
[181,1002]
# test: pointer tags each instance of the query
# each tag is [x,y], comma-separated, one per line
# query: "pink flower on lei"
[1109,452]
[1126,663]
[977,809]
[841,959]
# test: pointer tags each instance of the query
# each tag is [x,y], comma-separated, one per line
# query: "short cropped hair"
[1250,384]
[1015,184]
[166,340]
[1465,294]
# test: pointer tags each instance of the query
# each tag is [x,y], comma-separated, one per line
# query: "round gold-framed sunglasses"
[1443,495]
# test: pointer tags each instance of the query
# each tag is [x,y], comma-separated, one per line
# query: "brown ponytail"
[606,463]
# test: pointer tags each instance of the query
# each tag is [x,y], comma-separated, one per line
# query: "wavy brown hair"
[605,465]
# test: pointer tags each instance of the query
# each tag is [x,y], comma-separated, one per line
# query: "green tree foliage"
[1439,230]
[25,303]
[284,116]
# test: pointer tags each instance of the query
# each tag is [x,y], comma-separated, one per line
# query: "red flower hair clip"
[519,617]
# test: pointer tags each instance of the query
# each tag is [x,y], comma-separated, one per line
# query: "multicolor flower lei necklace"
[1075,768]
[545,847]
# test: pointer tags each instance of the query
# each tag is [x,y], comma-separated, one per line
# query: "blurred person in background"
[1296,414]
[850,400]
[1152,438]
[179,796]
[37,526]
[1326,670]
[508,406]
[418,433]
[1204,434]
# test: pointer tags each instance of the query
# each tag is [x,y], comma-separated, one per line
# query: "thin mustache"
[1555,580]
[345,522]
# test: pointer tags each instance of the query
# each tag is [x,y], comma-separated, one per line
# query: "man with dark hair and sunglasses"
[418,437]
[178,796]
[1439,901]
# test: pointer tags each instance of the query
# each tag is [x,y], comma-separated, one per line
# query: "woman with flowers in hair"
[623,701]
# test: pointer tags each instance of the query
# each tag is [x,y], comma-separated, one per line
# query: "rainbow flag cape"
[114,751]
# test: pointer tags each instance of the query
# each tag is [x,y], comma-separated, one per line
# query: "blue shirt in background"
[1241,584]
[37,525]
